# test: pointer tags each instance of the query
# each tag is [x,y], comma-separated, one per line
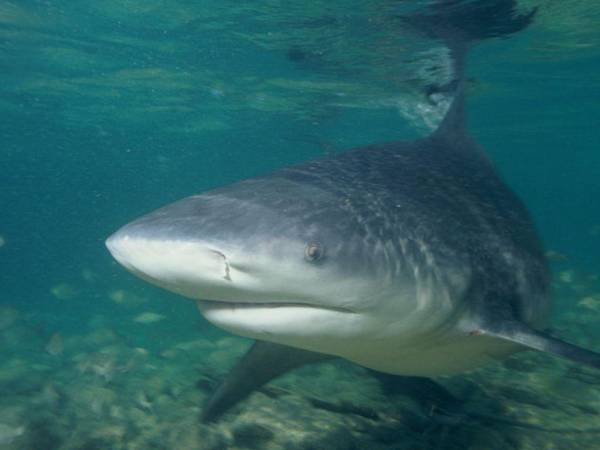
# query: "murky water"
[111,109]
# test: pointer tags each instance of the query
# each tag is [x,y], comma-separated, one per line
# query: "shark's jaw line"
[212,304]
[312,327]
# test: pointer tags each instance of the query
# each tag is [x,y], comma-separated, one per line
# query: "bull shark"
[411,258]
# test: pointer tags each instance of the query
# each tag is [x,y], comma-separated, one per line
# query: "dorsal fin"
[458,23]
[520,333]
[454,123]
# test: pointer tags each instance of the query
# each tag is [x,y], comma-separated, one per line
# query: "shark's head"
[277,259]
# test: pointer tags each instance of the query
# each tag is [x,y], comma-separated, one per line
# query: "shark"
[412,258]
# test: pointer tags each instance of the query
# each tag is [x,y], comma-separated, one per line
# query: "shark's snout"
[178,265]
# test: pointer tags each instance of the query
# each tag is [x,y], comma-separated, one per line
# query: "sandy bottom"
[100,389]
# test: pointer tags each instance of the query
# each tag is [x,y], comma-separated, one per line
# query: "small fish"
[55,345]
[64,291]
[8,433]
[122,297]
[590,302]
[8,316]
[89,275]
[148,317]
[554,256]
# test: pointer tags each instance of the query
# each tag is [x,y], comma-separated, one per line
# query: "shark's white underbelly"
[431,357]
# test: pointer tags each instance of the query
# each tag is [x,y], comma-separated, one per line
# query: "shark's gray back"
[441,206]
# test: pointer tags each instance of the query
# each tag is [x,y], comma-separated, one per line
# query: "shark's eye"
[314,252]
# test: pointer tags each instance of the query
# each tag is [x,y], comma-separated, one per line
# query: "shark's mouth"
[205,305]
[289,323]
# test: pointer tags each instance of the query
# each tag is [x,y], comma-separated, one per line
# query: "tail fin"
[458,23]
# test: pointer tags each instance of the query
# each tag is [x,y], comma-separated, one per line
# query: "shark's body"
[429,231]
[410,258]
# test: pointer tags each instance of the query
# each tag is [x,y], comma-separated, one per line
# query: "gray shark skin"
[411,258]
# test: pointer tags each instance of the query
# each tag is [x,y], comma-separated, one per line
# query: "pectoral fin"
[262,363]
[521,334]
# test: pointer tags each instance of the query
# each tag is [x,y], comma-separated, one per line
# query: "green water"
[111,109]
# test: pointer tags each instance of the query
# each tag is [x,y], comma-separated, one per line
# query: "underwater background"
[110,109]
